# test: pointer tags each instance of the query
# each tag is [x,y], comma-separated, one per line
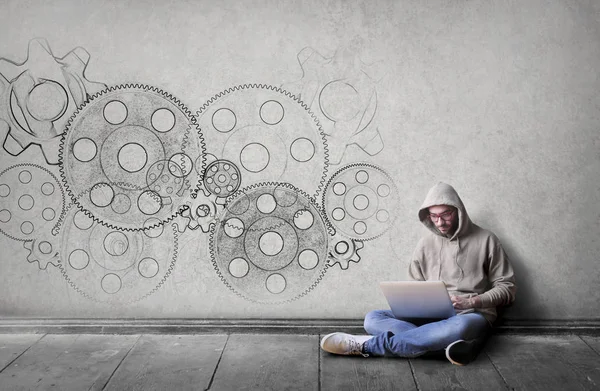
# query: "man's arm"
[501,276]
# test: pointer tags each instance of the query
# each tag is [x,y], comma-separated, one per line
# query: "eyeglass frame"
[436,217]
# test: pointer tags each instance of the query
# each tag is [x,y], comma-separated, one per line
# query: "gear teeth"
[212,245]
[329,183]
[42,260]
[123,87]
[205,106]
[62,195]
[135,300]
[343,260]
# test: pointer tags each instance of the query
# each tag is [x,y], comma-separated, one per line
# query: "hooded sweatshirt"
[470,260]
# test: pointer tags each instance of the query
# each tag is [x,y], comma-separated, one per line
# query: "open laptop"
[418,299]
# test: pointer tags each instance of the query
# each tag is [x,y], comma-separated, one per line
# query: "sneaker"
[345,344]
[460,352]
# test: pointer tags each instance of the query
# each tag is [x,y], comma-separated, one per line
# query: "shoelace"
[356,348]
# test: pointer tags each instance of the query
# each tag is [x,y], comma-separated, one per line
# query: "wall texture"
[500,99]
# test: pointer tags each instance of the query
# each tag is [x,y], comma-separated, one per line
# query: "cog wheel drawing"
[343,251]
[341,91]
[43,252]
[222,178]
[202,212]
[31,202]
[360,200]
[38,96]
[131,150]
[268,135]
[270,245]
[115,267]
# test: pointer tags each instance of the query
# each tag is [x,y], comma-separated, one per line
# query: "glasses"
[447,215]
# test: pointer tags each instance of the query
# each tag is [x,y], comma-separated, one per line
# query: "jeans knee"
[370,318]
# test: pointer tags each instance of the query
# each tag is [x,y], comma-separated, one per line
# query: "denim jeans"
[395,337]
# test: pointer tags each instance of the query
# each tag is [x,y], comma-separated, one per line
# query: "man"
[477,274]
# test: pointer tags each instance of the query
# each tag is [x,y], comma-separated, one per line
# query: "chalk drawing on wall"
[32,202]
[360,200]
[271,243]
[129,154]
[38,96]
[268,134]
[115,266]
[343,250]
[341,91]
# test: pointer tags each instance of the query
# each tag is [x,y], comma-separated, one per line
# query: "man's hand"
[464,303]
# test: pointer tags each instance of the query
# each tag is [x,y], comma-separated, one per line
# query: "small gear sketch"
[222,178]
[341,91]
[343,251]
[38,96]
[115,267]
[31,203]
[128,154]
[270,245]
[268,135]
[360,200]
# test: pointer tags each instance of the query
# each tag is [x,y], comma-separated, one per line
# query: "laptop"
[418,299]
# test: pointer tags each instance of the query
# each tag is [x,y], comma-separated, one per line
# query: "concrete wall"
[500,99]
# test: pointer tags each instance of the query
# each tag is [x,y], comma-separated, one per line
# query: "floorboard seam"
[497,370]
[22,353]
[412,371]
[590,346]
[319,362]
[212,378]
[121,362]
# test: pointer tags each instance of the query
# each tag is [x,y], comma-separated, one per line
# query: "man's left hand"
[465,303]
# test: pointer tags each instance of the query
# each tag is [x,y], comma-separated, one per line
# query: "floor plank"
[439,374]
[593,342]
[360,373]
[268,362]
[67,362]
[530,362]
[169,362]
[12,345]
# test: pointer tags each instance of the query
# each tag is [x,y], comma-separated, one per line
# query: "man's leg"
[429,337]
[381,321]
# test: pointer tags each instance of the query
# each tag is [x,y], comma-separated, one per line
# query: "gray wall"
[498,98]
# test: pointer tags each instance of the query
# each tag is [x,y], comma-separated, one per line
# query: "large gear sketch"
[270,245]
[360,200]
[128,154]
[31,203]
[341,91]
[38,96]
[268,135]
[115,267]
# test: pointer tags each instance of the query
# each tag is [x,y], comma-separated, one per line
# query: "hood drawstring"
[462,272]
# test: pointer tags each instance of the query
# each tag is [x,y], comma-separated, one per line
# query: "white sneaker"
[345,344]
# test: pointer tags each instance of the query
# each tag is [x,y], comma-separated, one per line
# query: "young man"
[477,274]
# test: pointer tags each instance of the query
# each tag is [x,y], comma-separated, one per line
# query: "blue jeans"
[395,337]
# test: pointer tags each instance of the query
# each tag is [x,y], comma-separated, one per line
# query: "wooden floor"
[284,362]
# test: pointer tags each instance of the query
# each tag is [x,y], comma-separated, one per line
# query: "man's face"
[445,218]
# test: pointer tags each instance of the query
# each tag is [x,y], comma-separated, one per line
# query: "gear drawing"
[222,178]
[132,151]
[342,251]
[360,200]
[31,202]
[268,135]
[341,91]
[202,212]
[270,244]
[44,252]
[115,267]
[38,96]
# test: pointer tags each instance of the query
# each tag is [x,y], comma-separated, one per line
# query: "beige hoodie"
[471,261]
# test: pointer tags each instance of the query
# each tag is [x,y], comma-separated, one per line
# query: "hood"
[444,194]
